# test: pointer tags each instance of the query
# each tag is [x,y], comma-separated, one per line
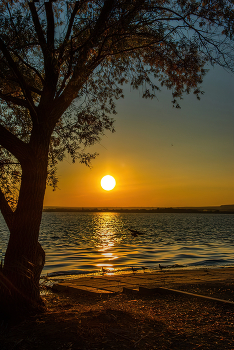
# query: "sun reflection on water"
[105,239]
[77,243]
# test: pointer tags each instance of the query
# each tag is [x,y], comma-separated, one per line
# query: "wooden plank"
[163,290]
[80,289]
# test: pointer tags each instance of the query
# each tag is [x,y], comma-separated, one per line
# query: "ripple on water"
[85,241]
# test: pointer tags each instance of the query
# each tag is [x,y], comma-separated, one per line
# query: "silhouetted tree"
[62,65]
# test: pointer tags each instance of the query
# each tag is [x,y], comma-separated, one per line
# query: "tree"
[62,65]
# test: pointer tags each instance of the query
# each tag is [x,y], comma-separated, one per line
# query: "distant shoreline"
[215,210]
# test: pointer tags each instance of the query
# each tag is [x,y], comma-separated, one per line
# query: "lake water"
[83,243]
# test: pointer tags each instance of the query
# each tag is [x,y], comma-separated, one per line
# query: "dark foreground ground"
[126,322]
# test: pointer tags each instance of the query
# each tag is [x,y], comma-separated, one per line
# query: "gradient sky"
[160,156]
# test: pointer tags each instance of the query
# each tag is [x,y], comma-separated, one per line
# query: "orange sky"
[160,156]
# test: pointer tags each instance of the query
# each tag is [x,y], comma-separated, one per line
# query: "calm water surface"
[85,242]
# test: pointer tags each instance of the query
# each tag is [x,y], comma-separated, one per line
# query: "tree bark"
[25,258]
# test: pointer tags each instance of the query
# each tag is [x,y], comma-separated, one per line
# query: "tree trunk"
[25,258]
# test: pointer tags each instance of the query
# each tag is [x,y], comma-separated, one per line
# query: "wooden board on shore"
[110,283]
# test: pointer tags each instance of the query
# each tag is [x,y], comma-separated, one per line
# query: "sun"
[108,182]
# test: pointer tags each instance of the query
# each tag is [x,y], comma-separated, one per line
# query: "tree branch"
[34,89]
[6,210]
[15,146]
[76,8]
[106,10]
[69,29]
[38,27]
[50,25]
[67,75]
[15,100]
[20,78]
[29,66]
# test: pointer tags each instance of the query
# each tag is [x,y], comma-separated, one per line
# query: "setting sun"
[108,183]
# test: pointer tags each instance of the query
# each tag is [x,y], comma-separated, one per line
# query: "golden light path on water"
[105,237]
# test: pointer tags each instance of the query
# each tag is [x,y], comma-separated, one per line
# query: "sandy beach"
[88,321]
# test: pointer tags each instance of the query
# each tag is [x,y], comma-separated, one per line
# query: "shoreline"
[216,282]
[66,275]
[139,210]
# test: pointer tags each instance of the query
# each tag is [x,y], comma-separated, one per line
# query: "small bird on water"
[104,270]
[134,269]
[161,267]
[135,233]
[144,268]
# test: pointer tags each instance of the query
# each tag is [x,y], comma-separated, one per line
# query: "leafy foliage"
[63,64]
